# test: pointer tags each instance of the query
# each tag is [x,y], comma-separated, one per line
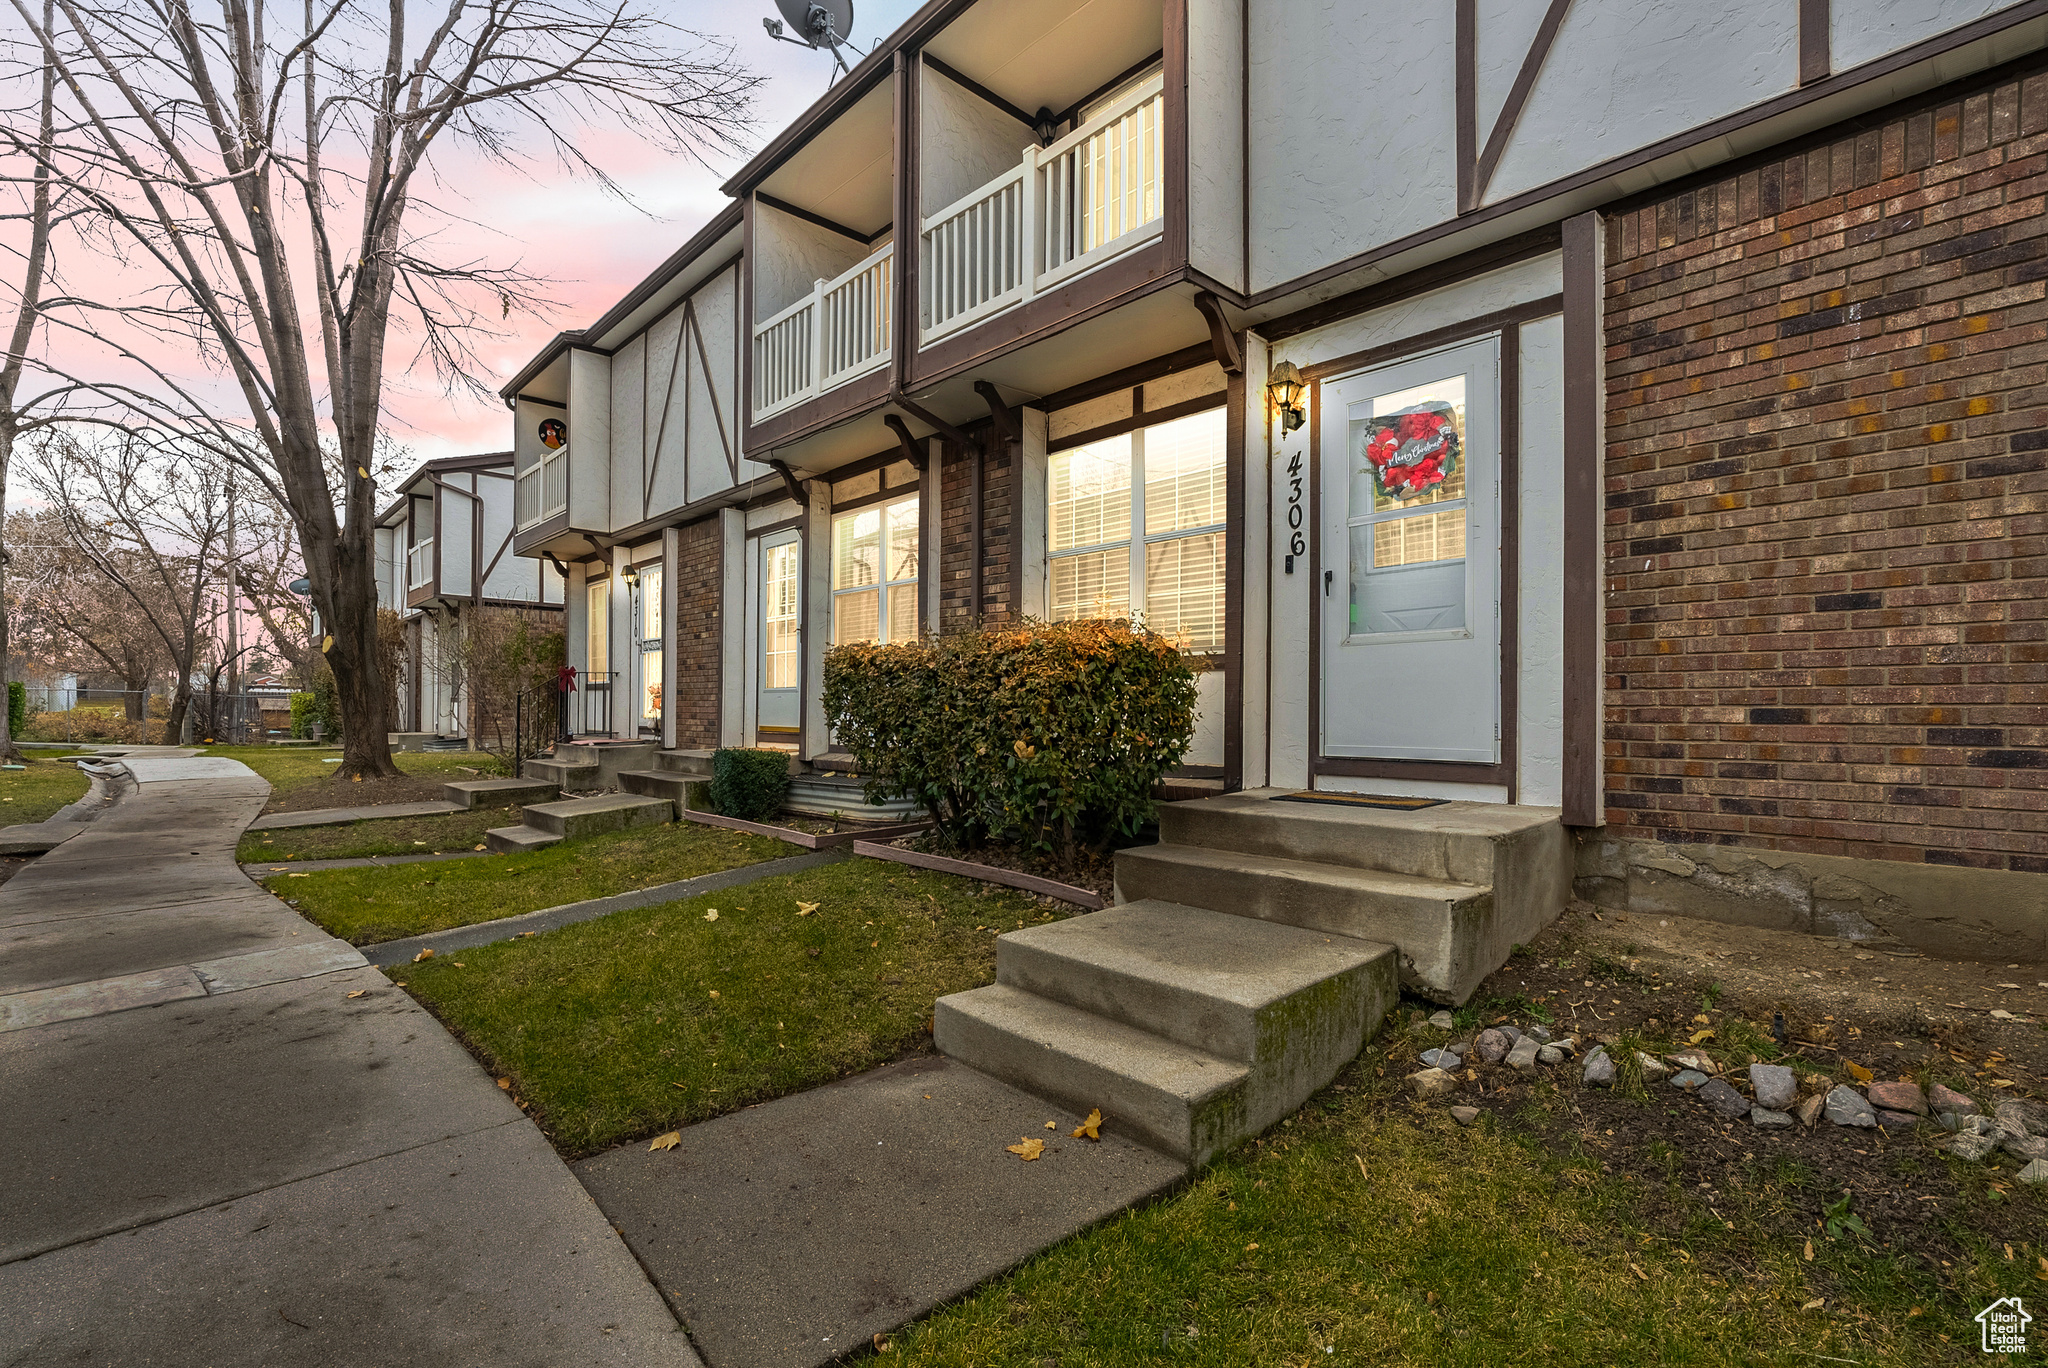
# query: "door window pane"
[650,686]
[1413,541]
[779,616]
[650,603]
[598,656]
[1410,451]
[1408,509]
[874,552]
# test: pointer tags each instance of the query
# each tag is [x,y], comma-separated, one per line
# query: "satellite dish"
[301,586]
[817,24]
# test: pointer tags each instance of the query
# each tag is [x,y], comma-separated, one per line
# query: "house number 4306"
[1297,545]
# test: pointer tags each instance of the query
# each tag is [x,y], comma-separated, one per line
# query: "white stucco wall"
[1539,720]
[1216,139]
[1861,30]
[713,394]
[590,439]
[629,432]
[791,256]
[458,537]
[963,142]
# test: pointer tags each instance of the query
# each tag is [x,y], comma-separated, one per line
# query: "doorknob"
[1328,575]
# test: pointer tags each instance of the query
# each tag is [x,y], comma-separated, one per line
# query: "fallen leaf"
[1250,1247]
[1857,1071]
[1639,1272]
[479,847]
[1809,1251]
[882,1346]
[398,983]
[458,964]
[298,876]
[1701,1020]
[1091,1128]
[506,1084]
[804,909]
[1052,1125]
[1816,1304]
[1026,1148]
[666,1142]
[1698,1036]
[425,954]
[712,915]
[360,992]
[1914,1312]
[714,992]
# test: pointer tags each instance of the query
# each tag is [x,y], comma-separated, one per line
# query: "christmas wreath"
[1413,451]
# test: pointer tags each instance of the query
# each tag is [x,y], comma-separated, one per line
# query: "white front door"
[1410,559]
[647,654]
[778,657]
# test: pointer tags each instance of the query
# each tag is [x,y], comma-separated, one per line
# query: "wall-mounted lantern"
[1046,126]
[1286,387]
[631,575]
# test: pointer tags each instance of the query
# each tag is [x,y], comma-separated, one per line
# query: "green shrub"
[17,708]
[326,703]
[302,714]
[1047,734]
[749,784]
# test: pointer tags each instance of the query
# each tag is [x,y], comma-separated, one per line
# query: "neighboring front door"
[647,653]
[1409,557]
[778,660]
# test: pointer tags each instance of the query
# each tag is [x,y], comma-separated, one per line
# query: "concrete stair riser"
[695,763]
[606,758]
[660,783]
[594,816]
[1174,1099]
[572,777]
[1462,843]
[511,840]
[1441,929]
[485,793]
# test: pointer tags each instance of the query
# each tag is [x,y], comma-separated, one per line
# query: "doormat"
[1370,800]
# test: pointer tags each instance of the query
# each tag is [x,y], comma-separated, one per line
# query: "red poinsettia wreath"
[1412,451]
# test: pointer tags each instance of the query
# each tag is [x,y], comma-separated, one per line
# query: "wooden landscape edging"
[803,838]
[1030,883]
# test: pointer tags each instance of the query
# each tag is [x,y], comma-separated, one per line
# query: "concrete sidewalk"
[216,1156]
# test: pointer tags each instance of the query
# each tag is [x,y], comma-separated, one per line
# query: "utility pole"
[234,727]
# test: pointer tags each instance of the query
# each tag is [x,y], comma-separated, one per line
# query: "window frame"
[883,587]
[1136,541]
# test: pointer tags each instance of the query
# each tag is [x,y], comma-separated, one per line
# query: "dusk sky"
[594,248]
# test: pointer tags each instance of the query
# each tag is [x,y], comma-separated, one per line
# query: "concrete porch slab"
[788,1234]
[320,817]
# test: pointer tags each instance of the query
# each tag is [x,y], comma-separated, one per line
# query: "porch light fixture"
[631,575]
[1046,125]
[1285,386]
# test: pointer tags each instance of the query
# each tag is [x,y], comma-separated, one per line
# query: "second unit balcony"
[838,332]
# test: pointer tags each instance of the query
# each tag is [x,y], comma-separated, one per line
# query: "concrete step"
[674,785]
[1475,843]
[695,763]
[1234,987]
[485,793]
[1175,1098]
[593,816]
[1444,930]
[509,840]
[607,757]
[571,775]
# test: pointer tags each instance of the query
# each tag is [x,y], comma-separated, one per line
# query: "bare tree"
[150,518]
[249,160]
[69,618]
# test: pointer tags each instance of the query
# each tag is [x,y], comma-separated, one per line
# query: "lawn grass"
[364,906]
[381,836]
[1367,1230]
[631,1024]
[37,792]
[291,767]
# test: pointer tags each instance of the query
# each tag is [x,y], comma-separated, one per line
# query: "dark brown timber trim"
[1222,341]
[976,88]
[1511,554]
[1492,257]
[1234,478]
[1437,337]
[1816,62]
[1466,95]
[830,225]
[1072,113]
[1518,96]
[1144,418]
[1583,400]
[1174,58]
[1187,358]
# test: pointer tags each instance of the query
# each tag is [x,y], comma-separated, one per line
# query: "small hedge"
[1046,734]
[302,714]
[17,708]
[749,784]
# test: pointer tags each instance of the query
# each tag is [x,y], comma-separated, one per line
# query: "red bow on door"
[565,679]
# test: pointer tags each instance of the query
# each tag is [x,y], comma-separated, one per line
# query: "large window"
[1158,490]
[874,573]
[779,626]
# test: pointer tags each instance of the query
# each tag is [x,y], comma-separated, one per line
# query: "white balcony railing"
[1066,209]
[837,332]
[541,490]
[419,564]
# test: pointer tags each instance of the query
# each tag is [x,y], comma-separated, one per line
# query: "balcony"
[837,333]
[419,564]
[541,490]
[1063,211]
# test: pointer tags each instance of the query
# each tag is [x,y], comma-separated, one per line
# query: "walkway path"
[230,1142]
[348,816]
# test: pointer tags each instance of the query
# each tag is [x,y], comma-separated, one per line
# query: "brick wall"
[1825,491]
[700,574]
[956,541]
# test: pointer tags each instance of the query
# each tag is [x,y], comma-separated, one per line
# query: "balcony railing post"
[817,375]
[1028,228]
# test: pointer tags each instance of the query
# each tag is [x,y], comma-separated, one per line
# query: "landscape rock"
[1973,1148]
[2009,1118]
[1460,1047]
[1694,1060]
[1431,1083]
[1808,1111]
[1688,1079]
[1464,1116]
[2035,1174]
[1514,1036]
[2030,1148]
[1763,1118]
[1492,1046]
[1542,1033]
[1975,1125]
[1599,1070]
[1776,1089]
[1898,1097]
[1441,1059]
[1522,1059]
[1896,1120]
[1569,1044]
[1949,1100]
[1654,1068]
[1846,1107]
[1716,1093]
[1550,1054]
[1440,1020]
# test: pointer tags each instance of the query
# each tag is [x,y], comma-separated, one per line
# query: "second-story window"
[1159,490]
[874,573]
